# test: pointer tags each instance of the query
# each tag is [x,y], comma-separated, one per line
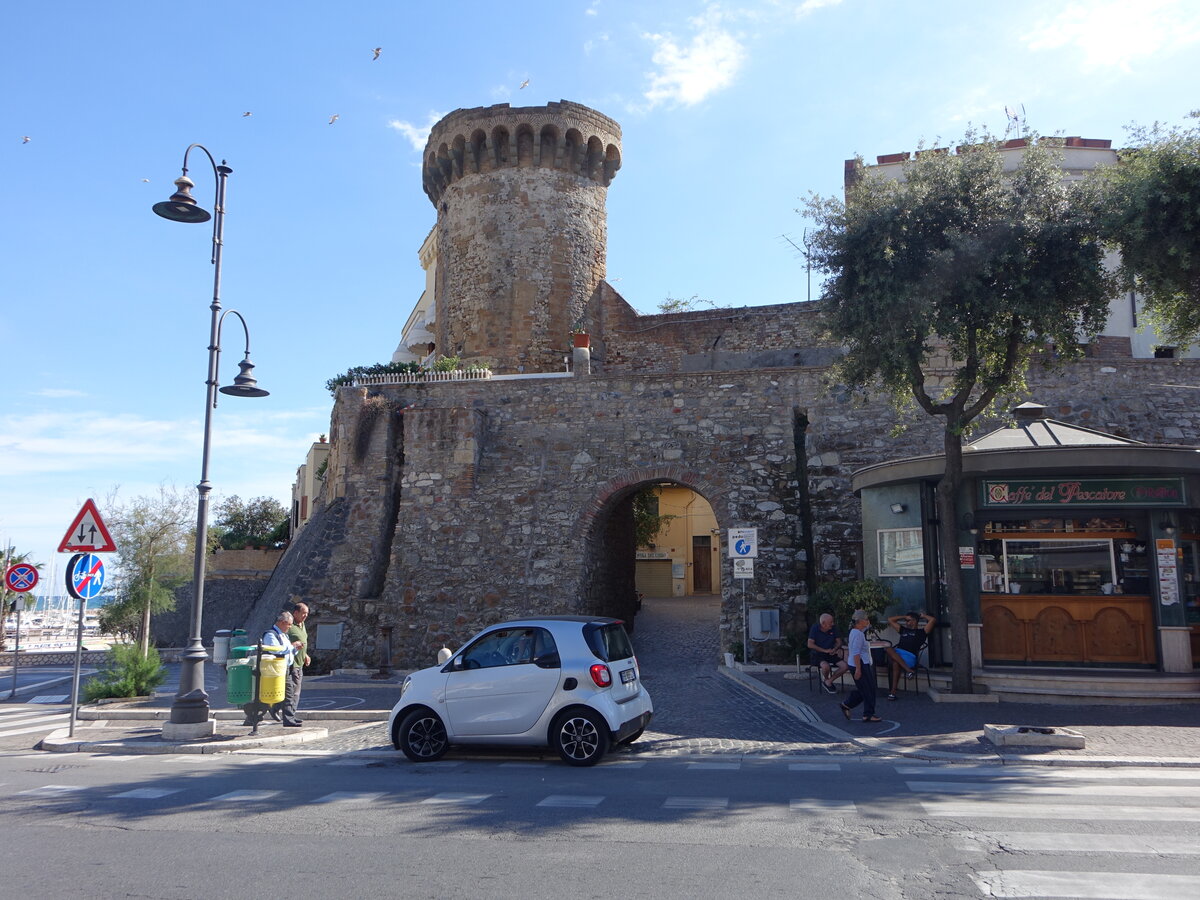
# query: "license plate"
[627,675]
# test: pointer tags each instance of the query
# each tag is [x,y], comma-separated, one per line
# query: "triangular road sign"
[87,533]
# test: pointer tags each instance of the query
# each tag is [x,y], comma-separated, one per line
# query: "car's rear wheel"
[580,736]
[421,736]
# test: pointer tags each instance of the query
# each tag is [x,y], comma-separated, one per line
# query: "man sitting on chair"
[914,631]
[824,650]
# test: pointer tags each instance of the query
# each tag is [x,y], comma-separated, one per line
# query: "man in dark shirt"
[914,631]
[824,650]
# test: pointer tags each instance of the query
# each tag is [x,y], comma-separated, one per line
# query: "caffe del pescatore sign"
[1084,492]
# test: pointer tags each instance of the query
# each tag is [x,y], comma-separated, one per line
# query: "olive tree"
[1150,211]
[958,259]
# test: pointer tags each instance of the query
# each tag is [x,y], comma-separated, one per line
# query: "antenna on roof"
[1016,121]
[803,251]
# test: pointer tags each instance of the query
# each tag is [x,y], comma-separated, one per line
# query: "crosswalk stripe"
[33,718]
[823,806]
[568,801]
[16,712]
[997,809]
[1115,773]
[51,790]
[146,793]
[350,797]
[1058,790]
[696,803]
[714,766]
[458,797]
[1086,885]
[51,723]
[1055,842]
[814,767]
[244,796]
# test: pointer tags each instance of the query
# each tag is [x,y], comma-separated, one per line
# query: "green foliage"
[388,368]
[647,523]
[683,304]
[841,598]
[447,364]
[959,257]
[1149,207]
[260,522]
[154,555]
[123,615]
[126,673]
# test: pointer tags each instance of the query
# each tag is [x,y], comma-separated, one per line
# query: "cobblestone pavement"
[695,709]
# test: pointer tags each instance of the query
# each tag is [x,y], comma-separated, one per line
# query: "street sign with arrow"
[87,533]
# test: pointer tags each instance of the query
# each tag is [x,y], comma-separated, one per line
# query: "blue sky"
[732,114]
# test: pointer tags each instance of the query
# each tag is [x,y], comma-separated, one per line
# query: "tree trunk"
[947,513]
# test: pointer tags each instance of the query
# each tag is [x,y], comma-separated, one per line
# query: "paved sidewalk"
[916,726]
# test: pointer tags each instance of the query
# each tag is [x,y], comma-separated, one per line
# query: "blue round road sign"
[85,576]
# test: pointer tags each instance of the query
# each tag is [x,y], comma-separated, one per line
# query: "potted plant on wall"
[579,335]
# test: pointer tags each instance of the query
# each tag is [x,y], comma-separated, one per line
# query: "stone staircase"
[1075,686]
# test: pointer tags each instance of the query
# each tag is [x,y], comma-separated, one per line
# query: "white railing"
[424,377]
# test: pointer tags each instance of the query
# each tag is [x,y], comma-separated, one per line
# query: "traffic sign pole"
[85,578]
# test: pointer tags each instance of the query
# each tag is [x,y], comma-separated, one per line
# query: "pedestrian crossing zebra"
[21,720]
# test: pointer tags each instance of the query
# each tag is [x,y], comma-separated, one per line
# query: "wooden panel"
[1055,636]
[1003,634]
[1056,628]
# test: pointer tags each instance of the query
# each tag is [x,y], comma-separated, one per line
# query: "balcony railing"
[424,377]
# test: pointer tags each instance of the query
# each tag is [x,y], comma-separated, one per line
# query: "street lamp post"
[189,711]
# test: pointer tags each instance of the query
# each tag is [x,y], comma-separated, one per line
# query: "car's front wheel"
[580,736]
[421,736]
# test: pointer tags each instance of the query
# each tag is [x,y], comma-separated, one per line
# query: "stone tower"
[521,228]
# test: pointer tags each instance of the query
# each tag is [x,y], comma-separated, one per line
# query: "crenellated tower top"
[565,136]
[522,231]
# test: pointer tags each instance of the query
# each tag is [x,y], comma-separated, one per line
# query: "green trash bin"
[239,673]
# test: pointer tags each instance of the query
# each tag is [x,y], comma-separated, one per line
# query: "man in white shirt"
[858,657]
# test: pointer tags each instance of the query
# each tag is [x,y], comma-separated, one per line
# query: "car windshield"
[609,642]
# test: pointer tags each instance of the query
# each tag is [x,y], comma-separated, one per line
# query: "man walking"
[297,635]
[275,640]
[859,659]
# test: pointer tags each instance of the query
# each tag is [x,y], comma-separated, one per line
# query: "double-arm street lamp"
[189,711]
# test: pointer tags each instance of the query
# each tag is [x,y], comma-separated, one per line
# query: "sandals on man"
[845,711]
[871,719]
[891,696]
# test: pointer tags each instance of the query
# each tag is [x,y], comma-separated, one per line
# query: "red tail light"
[600,675]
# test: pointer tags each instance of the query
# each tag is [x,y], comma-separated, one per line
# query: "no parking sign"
[21,577]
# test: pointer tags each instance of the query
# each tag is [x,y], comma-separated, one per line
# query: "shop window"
[1164,352]
[1082,566]
[900,552]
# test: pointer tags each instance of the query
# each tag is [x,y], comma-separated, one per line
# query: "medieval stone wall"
[460,504]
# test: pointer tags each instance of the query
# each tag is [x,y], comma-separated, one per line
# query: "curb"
[155,714]
[806,714]
[59,742]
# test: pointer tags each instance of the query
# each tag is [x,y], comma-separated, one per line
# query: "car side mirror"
[548,661]
[443,656]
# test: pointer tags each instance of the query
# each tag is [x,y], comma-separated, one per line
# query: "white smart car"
[568,682]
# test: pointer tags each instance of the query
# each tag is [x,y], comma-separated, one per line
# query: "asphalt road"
[363,826]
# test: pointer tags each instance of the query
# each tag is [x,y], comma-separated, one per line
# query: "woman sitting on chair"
[914,632]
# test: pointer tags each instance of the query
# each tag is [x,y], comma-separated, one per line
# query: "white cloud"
[57,393]
[809,6]
[689,72]
[1118,33]
[417,134]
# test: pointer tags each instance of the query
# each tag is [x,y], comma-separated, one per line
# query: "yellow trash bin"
[271,680]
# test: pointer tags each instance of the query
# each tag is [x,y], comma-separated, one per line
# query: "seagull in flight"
[247,115]
[25,139]
[333,118]
[524,84]
[145,180]
[376,51]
